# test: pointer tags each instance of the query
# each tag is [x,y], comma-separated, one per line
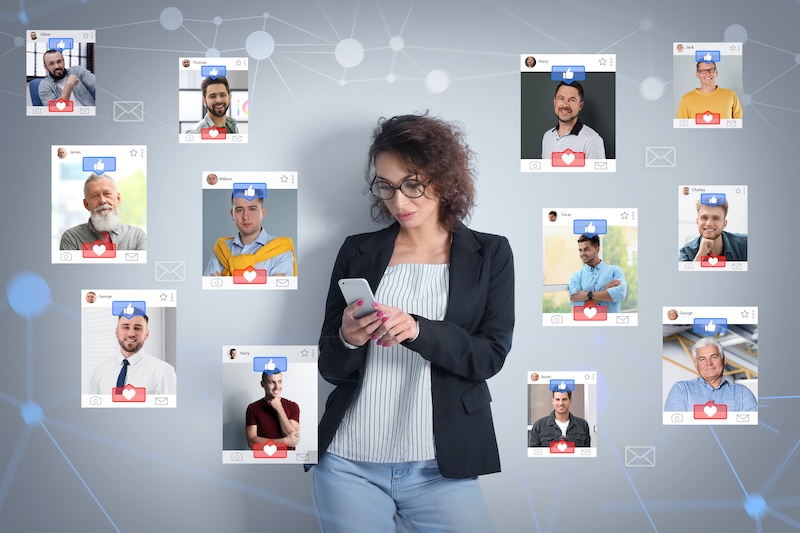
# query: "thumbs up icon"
[250,192]
[213,73]
[61,44]
[129,310]
[269,367]
[712,200]
[710,327]
[568,75]
[590,228]
[99,167]
[707,58]
[562,386]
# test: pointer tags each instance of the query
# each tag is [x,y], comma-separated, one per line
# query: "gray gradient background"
[146,470]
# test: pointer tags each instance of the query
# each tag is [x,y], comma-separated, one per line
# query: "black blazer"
[466,348]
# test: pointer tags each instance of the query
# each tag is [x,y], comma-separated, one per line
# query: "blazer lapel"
[374,255]
[465,269]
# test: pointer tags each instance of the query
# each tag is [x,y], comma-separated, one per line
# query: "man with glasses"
[710,96]
[252,246]
[709,360]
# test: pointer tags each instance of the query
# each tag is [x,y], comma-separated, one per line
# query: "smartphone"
[354,289]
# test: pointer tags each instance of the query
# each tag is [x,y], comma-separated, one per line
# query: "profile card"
[712,228]
[99,204]
[60,73]
[710,365]
[213,100]
[128,348]
[269,404]
[591,260]
[562,413]
[249,230]
[707,85]
[568,113]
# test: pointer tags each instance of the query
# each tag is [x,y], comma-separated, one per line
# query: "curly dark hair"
[435,150]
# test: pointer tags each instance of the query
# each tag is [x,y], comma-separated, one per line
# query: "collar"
[576,129]
[707,385]
[551,420]
[262,238]
[595,268]
[132,360]
[229,122]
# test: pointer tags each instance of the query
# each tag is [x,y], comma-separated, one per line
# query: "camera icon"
[537,451]
[688,266]
[535,165]
[189,138]
[37,111]
[558,319]
[216,282]
[236,456]
[683,123]
[66,256]
[95,400]
[677,417]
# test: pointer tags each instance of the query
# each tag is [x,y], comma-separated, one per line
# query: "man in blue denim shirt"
[560,425]
[597,281]
[711,221]
[709,359]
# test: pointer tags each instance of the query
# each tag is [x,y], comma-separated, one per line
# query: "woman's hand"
[394,326]
[357,331]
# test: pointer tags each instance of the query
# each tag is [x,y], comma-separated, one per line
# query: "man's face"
[552,217]
[102,201]
[54,63]
[680,48]
[212,179]
[90,297]
[588,252]
[561,402]
[273,384]
[707,74]
[233,354]
[217,99]
[673,314]
[710,221]
[247,215]
[62,153]
[529,62]
[686,191]
[131,333]
[709,363]
[567,103]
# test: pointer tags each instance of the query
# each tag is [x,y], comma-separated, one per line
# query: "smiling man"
[560,425]
[597,281]
[709,360]
[132,365]
[74,83]
[709,96]
[217,99]
[713,240]
[101,199]
[252,246]
[570,132]
[273,417]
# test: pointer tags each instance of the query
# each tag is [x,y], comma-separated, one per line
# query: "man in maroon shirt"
[273,417]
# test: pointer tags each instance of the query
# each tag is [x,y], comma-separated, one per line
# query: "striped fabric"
[391,418]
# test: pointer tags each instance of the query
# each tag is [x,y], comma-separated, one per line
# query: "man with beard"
[132,365]
[597,281]
[709,96]
[217,99]
[560,425]
[273,417]
[570,132]
[74,83]
[101,199]
[711,221]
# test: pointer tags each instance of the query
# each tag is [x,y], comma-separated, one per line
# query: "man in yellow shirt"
[710,96]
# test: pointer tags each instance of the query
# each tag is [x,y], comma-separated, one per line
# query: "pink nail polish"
[384,319]
[374,338]
[375,304]
[360,302]
[380,313]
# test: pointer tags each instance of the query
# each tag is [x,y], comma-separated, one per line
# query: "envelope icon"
[586,452]
[743,418]
[162,401]
[601,165]
[170,271]
[84,111]
[730,123]
[623,320]
[736,266]
[237,138]
[131,256]
[128,111]
[660,156]
[640,456]
[302,456]
[281,282]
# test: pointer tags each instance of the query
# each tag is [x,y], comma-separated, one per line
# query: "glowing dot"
[31,413]
[259,45]
[755,506]
[171,18]
[746,99]
[217,20]
[342,83]
[735,34]
[349,53]
[212,52]
[28,294]
[651,89]
[646,25]
[390,78]
[437,81]
[396,43]
[19,41]
[266,15]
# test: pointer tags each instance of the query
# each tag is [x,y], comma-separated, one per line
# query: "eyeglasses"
[706,70]
[411,188]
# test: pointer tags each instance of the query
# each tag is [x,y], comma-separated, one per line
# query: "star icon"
[624,215]
[134,152]
[163,297]
[284,179]
[738,190]
[304,353]
[602,60]
[745,314]
[733,48]
[238,63]
[587,377]
[85,35]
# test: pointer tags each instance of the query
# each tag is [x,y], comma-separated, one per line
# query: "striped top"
[391,417]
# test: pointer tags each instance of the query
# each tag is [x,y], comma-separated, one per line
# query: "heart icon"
[712,261]
[249,275]
[99,249]
[561,446]
[213,133]
[589,312]
[710,410]
[130,393]
[708,117]
[270,449]
[61,106]
[567,158]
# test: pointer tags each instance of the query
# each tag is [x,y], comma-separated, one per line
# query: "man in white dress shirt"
[141,369]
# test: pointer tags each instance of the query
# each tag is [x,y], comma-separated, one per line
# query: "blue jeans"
[355,496]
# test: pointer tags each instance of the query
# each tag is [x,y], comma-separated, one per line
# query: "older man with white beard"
[101,199]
